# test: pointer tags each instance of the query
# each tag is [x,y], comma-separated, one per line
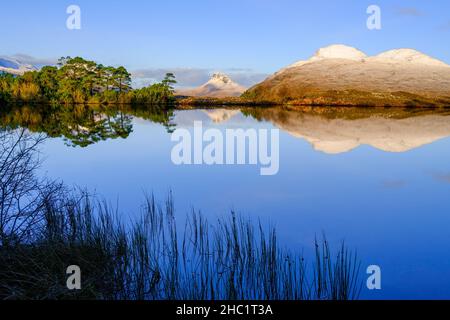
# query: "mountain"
[342,75]
[219,86]
[14,66]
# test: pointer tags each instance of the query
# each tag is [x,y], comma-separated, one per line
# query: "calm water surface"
[380,180]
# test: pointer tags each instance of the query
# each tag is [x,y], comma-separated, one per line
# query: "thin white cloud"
[445,27]
[443,177]
[409,11]
[193,77]
[186,77]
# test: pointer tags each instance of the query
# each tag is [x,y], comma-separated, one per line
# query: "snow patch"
[408,56]
[339,51]
[220,85]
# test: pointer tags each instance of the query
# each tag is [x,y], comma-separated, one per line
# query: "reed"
[46,227]
[232,259]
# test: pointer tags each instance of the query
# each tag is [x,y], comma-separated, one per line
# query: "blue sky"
[248,38]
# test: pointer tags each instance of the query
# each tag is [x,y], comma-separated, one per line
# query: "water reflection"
[329,130]
[340,130]
[387,205]
[80,125]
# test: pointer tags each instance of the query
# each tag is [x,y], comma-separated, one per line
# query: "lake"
[378,179]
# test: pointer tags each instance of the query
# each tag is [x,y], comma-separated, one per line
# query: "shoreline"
[188,103]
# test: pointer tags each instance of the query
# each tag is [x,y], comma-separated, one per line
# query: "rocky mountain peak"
[221,77]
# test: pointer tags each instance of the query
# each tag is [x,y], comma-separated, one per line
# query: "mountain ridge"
[15,66]
[344,75]
[218,86]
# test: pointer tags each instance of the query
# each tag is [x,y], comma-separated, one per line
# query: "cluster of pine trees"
[79,81]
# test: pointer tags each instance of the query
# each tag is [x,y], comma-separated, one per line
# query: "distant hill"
[14,66]
[219,86]
[342,75]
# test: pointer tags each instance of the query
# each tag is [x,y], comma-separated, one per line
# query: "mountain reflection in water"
[383,193]
[329,130]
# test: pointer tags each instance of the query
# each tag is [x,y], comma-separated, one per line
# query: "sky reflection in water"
[379,180]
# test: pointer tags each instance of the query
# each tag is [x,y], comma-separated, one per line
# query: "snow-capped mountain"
[14,66]
[341,75]
[219,86]
[343,52]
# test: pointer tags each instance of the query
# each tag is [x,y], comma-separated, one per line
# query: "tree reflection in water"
[81,125]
